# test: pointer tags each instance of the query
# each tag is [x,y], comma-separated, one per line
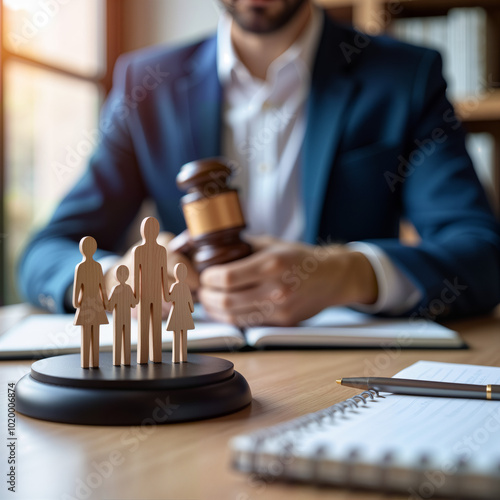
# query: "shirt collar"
[302,50]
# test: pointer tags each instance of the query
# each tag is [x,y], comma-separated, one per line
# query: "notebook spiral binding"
[318,417]
[302,423]
[315,448]
[347,475]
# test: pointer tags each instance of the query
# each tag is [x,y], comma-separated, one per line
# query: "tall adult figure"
[90,301]
[150,283]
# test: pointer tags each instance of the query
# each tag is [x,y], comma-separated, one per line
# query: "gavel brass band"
[213,214]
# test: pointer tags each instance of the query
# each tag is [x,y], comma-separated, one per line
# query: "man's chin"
[259,3]
[257,22]
[263,16]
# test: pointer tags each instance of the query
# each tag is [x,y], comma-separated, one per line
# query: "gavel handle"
[181,243]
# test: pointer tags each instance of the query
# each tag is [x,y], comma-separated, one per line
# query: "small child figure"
[121,300]
[180,319]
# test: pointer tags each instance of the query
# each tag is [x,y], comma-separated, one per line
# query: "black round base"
[58,389]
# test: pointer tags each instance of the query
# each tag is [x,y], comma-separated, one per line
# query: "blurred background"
[56,68]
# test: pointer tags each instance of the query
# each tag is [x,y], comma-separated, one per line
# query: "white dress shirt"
[264,123]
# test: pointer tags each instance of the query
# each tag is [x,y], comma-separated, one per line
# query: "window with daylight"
[56,67]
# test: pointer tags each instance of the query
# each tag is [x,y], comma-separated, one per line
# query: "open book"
[422,446]
[45,335]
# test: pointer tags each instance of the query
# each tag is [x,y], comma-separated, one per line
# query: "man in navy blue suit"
[336,137]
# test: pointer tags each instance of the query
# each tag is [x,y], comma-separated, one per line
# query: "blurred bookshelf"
[467,34]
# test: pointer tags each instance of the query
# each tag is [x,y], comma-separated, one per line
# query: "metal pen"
[423,387]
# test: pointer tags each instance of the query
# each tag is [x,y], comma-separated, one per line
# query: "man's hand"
[284,283]
[172,259]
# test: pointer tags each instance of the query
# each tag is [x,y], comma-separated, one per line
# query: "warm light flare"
[27,5]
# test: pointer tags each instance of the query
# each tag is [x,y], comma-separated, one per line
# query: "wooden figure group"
[150,284]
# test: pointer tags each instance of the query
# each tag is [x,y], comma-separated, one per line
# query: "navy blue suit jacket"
[382,143]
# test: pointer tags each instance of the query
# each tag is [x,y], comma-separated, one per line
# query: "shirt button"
[42,299]
[51,304]
[263,168]
[266,105]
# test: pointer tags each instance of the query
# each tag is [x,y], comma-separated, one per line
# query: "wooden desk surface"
[191,461]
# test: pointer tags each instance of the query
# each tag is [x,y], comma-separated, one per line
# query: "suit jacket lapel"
[332,90]
[200,97]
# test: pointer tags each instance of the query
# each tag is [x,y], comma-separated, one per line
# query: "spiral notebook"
[420,446]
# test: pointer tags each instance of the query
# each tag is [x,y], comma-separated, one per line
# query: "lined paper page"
[400,434]
[441,429]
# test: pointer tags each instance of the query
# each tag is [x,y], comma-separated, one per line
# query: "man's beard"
[262,19]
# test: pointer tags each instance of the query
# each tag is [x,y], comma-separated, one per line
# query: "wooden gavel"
[213,214]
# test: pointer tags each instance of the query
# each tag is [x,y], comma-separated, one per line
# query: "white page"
[45,335]
[414,425]
[339,326]
[444,430]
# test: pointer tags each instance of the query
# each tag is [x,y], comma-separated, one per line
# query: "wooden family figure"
[121,300]
[180,319]
[90,301]
[150,284]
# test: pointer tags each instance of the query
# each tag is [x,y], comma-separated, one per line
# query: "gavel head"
[212,212]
